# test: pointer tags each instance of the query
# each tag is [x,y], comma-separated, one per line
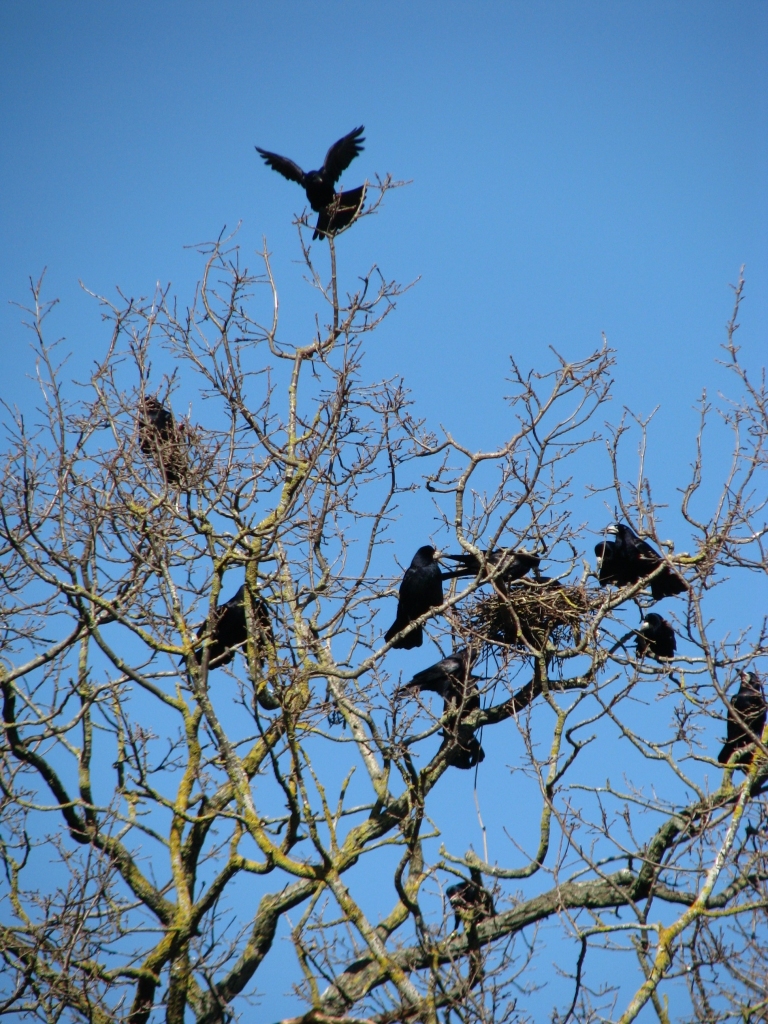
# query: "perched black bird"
[229,630]
[451,678]
[336,211]
[470,901]
[163,440]
[421,589]
[628,559]
[505,564]
[466,752]
[656,638]
[746,716]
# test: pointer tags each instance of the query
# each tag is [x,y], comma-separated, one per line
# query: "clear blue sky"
[577,167]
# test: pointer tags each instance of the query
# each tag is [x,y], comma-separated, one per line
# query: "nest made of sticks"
[531,614]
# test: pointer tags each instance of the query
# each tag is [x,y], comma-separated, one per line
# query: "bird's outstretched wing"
[342,153]
[282,165]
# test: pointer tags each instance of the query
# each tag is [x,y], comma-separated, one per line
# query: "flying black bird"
[336,210]
[746,716]
[163,440]
[656,638]
[229,630]
[628,559]
[470,901]
[505,564]
[420,590]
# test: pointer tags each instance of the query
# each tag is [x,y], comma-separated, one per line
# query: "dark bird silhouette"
[470,901]
[466,751]
[746,716]
[420,590]
[451,678]
[228,629]
[628,559]
[655,638]
[505,565]
[163,440]
[336,210]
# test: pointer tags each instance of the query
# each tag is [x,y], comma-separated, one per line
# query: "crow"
[336,211]
[451,678]
[746,716]
[163,440]
[228,630]
[505,565]
[421,589]
[629,559]
[466,751]
[656,638]
[470,901]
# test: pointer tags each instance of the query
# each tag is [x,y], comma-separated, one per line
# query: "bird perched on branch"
[452,679]
[470,901]
[627,559]
[227,630]
[746,716]
[163,440]
[505,565]
[336,210]
[420,590]
[656,638]
[466,751]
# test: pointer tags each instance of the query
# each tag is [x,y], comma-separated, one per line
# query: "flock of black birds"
[624,561]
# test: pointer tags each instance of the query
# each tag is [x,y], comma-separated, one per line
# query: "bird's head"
[426,555]
[651,622]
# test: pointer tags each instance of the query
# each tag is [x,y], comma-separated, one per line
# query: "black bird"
[421,589]
[750,707]
[452,679]
[163,440]
[656,638]
[505,564]
[466,750]
[336,211]
[628,559]
[228,629]
[470,901]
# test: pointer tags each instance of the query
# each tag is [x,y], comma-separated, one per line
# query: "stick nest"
[531,615]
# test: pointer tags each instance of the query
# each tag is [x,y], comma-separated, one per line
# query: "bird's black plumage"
[420,590]
[163,440]
[655,638]
[470,901]
[228,629]
[465,748]
[505,565]
[451,678]
[627,559]
[336,211]
[746,716]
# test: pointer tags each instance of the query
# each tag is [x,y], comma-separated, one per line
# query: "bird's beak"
[612,529]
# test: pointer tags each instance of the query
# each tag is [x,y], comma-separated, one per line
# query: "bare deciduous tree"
[164,809]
